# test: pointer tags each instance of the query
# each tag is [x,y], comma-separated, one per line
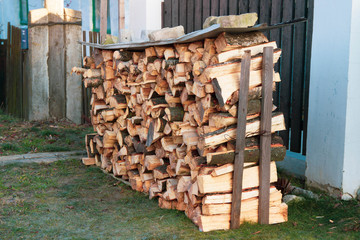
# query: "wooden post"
[240,140]
[56,60]
[265,137]
[121,16]
[103,20]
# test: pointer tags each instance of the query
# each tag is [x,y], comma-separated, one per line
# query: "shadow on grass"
[68,200]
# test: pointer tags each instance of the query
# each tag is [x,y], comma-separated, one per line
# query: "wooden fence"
[14,104]
[92,37]
[3,51]
[291,96]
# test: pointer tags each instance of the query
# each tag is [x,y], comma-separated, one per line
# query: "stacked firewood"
[165,120]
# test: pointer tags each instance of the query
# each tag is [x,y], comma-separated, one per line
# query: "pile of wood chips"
[165,120]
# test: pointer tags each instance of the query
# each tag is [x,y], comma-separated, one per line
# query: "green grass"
[18,136]
[67,200]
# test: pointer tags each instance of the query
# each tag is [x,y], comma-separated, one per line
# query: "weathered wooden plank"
[56,62]
[17,74]
[309,30]
[11,85]
[3,52]
[214,11]
[8,69]
[275,35]
[240,141]
[84,47]
[206,9]
[223,8]
[265,10]
[244,6]
[86,93]
[198,15]
[286,65]
[264,13]
[91,41]
[254,6]
[103,19]
[14,91]
[167,13]
[265,138]
[298,79]
[190,4]
[182,13]
[233,7]
[174,13]
[121,16]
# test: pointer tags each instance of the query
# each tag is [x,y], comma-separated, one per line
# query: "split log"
[239,52]
[228,41]
[223,183]
[226,85]
[226,68]
[252,129]
[278,214]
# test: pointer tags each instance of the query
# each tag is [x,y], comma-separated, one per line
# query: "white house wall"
[332,141]
[351,169]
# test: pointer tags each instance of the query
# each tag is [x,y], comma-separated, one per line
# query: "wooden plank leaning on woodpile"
[165,120]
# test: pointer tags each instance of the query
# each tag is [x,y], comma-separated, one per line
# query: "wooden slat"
[198,15]
[223,8]
[214,11]
[91,41]
[286,65]
[84,92]
[167,14]
[8,62]
[265,9]
[17,74]
[84,47]
[3,53]
[233,7]
[190,16]
[264,13]
[121,15]
[254,6]
[11,93]
[240,141]
[265,137]
[298,79]
[97,37]
[309,29]
[182,12]
[14,83]
[206,10]
[243,6]
[275,35]
[103,19]
[174,13]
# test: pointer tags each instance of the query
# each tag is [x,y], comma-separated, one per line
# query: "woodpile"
[165,120]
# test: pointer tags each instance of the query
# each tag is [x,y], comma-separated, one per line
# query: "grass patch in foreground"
[66,199]
[19,137]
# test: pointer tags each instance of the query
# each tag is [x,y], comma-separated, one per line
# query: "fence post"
[240,141]
[265,136]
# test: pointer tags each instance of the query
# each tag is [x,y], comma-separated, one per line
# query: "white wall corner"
[328,96]
[351,169]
